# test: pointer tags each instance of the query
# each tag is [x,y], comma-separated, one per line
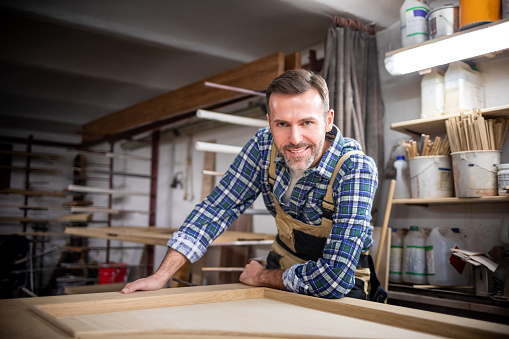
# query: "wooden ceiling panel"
[256,75]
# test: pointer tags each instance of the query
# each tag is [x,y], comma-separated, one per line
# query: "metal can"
[474,13]
[443,21]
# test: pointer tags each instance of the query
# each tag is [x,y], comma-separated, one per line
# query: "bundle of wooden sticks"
[472,132]
[427,147]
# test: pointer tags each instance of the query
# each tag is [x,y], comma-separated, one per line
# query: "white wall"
[401,95]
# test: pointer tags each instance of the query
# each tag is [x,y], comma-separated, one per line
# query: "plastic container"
[432,94]
[463,88]
[112,273]
[442,266]
[475,173]
[414,257]
[431,177]
[414,28]
[396,256]
[503,179]
[478,12]
[402,190]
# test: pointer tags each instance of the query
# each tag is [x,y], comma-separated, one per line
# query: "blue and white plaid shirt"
[331,276]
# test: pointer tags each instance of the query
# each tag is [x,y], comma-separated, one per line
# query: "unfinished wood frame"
[238,310]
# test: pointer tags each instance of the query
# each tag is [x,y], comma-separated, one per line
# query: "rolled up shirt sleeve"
[236,191]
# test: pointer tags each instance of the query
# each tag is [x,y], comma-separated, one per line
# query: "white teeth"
[302,150]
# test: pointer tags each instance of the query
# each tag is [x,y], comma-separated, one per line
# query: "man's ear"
[268,118]
[329,120]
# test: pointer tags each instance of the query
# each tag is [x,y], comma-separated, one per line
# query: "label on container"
[417,262]
[503,181]
[396,255]
[445,180]
[416,21]
[430,260]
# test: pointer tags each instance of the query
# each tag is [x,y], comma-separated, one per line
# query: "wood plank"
[76,217]
[160,235]
[293,61]
[33,155]
[452,200]
[100,209]
[29,207]
[33,193]
[32,169]
[256,76]
[98,190]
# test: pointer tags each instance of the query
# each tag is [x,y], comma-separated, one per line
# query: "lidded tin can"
[443,21]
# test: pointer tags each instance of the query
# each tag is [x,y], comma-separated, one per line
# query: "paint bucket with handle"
[475,173]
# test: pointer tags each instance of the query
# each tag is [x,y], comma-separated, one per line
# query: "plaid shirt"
[331,276]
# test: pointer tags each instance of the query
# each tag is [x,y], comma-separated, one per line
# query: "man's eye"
[281,124]
[307,123]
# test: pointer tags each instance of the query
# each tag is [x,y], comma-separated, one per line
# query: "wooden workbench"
[219,311]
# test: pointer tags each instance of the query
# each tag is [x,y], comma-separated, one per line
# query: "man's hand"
[150,283]
[172,262]
[255,275]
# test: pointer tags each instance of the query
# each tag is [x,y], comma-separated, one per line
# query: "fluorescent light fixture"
[217,148]
[479,41]
[231,119]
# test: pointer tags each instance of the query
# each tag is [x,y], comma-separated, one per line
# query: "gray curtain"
[351,71]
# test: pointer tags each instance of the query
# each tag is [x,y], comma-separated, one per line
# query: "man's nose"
[295,136]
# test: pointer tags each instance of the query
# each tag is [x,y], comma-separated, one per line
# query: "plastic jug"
[414,257]
[432,94]
[463,88]
[414,28]
[444,269]
[396,256]
[402,189]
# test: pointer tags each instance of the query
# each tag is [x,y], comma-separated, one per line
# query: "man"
[320,196]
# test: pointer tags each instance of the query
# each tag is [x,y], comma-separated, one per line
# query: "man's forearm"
[272,278]
[171,263]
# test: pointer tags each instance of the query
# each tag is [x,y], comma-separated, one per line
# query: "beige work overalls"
[287,227]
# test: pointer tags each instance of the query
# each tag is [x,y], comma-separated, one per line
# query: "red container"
[112,273]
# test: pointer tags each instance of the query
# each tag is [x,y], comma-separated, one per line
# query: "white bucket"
[431,177]
[475,173]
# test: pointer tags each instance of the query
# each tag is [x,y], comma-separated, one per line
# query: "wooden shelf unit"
[436,125]
[452,200]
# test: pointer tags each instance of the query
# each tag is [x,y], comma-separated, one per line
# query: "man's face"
[298,126]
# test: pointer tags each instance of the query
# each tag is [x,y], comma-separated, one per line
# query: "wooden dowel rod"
[385,224]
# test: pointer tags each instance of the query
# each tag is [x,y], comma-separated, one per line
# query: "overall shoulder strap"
[328,201]
[272,164]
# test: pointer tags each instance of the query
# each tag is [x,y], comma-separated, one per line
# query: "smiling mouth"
[297,151]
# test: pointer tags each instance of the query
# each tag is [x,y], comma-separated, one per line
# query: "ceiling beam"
[256,76]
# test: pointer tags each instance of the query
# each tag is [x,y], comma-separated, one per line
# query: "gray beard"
[308,161]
